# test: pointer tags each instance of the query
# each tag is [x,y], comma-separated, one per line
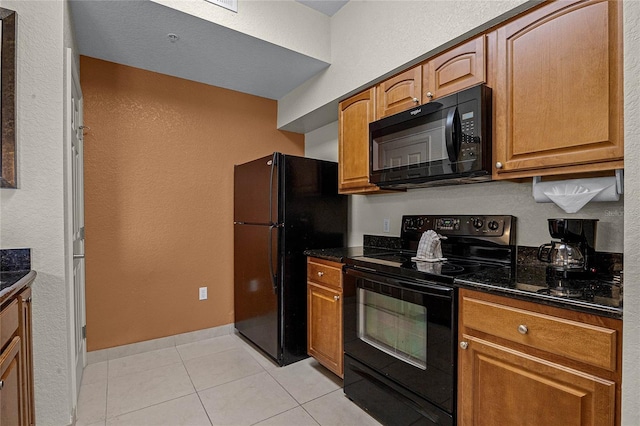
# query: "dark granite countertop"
[15,271]
[338,254]
[527,282]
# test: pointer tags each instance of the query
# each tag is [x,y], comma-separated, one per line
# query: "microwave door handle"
[453,133]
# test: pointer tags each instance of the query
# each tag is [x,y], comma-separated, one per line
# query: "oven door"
[401,335]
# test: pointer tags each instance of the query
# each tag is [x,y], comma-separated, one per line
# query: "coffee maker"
[572,259]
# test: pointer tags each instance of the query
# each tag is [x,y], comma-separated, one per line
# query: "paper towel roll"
[572,194]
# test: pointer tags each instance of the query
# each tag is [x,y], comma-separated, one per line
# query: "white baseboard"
[161,343]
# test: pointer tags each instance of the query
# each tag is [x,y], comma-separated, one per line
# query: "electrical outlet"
[385,225]
[203,293]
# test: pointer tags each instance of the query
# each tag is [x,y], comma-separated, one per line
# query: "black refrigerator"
[283,205]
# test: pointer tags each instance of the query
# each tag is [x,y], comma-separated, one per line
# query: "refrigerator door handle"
[272,273]
[273,164]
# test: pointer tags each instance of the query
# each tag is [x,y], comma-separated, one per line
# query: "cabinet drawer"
[581,342]
[9,318]
[324,272]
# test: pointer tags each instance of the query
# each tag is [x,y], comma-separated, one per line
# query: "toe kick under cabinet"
[529,364]
[324,313]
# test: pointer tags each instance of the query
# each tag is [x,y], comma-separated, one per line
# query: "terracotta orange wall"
[159,156]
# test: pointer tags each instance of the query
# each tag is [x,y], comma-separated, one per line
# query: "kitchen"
[43,162]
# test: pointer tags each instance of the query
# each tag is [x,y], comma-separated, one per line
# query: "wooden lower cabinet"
[16,364]
[518,364]
[24,303]
[324,313]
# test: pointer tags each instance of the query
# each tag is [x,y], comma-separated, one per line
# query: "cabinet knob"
[1,384]
[498,165]
[336,297]
[522,329]
[429,95]
[416,100]
[464,345]
[320,273]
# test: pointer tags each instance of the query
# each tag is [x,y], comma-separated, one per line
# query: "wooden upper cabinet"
[399,93]
[558,90]
[354,116]
[457,69]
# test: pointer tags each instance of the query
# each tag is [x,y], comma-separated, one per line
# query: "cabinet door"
[457,69]
[324,319]
[558,90]
[24,302]
[355,114]
[10,385]
[399,93]
[501,386]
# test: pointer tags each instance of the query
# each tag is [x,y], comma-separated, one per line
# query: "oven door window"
[394,326]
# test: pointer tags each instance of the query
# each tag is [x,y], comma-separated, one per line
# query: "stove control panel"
[496,227]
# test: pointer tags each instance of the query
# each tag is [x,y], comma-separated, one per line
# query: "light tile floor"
[218,381]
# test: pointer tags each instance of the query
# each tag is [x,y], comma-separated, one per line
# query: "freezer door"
[256,191]
[255,299]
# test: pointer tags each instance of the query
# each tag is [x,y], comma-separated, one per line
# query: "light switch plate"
[385,225]
[203,293]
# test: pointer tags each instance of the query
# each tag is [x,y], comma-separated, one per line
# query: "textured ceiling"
[135,33]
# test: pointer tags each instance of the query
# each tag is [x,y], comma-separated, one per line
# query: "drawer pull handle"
[464,345]
[336,298]
[522,329]
[320,273]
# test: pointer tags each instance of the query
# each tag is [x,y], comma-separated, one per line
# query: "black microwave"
[446,141]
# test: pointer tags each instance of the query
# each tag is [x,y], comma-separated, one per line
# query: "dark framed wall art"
[8,159]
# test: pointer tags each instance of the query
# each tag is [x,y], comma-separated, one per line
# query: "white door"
[76,195]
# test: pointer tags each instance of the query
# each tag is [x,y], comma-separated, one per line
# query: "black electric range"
[400,316]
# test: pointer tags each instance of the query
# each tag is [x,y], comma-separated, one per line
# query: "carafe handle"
[545,257]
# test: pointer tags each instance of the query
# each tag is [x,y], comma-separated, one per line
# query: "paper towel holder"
[572,194]
[619,181]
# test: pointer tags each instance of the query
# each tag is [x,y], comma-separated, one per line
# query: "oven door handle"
[429,288]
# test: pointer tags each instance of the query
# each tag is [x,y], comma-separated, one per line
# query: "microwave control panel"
[469,140]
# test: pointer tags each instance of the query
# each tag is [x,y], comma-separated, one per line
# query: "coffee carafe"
[574,253]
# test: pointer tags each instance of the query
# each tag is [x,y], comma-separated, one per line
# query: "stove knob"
[478,223]
[493,225]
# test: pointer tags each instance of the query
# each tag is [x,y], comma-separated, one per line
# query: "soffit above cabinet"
[137,34]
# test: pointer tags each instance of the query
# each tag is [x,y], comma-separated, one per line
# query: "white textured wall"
[631,332]
[372,38]
[33,215]
[322,143]
[284,23]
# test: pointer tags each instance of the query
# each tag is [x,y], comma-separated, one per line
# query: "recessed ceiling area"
[328,7]
[150,36]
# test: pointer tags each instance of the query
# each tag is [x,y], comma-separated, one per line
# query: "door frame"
[71,78]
